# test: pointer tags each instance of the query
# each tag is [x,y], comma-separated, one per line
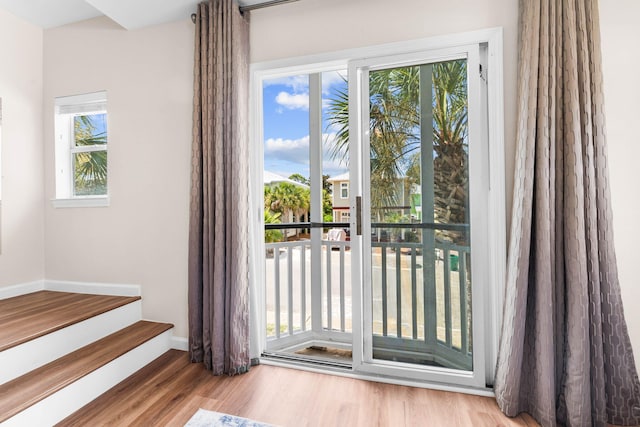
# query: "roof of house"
[274,178]
[341,177]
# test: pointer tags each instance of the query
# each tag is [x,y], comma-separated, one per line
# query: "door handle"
[358,215]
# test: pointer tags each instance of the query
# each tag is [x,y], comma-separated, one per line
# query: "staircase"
[61,350]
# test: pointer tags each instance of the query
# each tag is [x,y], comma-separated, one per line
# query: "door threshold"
[307,360]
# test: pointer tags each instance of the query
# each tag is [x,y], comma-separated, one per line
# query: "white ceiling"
[131,14]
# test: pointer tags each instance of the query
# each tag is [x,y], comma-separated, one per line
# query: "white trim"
[21,289]
[85,98]
[81,202]
[88,149]
[179,343]
[337,60]
[315,176]
[487,392]
[478,201]
[496,235]
[124,290]
[356,164]
[257,331]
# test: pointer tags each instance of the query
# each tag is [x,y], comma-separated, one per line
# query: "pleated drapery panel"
[565,355]
[218,224]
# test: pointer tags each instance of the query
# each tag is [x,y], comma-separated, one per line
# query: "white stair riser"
[59,405]
[28,356]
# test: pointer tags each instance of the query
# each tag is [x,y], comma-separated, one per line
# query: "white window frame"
[66,109]
[344,190]
[490,42]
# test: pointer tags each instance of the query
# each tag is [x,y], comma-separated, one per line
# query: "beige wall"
[336,192]
[141,238]
[21,217]
[620,35]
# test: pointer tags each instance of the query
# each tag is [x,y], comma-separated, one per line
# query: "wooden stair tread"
[25,391]
[26,317]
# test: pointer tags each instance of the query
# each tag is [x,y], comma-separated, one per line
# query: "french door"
[397,262]
[419,180]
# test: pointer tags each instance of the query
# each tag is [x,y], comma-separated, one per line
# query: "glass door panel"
[306,213]
[418,194]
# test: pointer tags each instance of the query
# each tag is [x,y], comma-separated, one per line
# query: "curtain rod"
[265,4]
[255,6]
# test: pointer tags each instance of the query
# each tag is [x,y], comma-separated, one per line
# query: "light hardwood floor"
[170,390]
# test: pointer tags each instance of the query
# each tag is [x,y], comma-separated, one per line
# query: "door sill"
[306,360]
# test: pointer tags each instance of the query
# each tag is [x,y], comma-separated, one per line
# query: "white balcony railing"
[420,303]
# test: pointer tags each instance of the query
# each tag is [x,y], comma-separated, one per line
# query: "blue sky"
[286,124]
[99,122]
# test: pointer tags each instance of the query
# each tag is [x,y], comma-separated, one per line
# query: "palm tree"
[291,201]
[90,167]
[271,236]
[395,137]
[450,131]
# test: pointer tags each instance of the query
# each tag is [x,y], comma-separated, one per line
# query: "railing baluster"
[303,287]
[414,294]
[276,260]
[290,289]
[447,297]
[398,292]
[342,307]
[464,337]
[383,251]
[329,313]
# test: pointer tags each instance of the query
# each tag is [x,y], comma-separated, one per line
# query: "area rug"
[204,418]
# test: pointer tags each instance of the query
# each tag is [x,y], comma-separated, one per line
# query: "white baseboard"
[93,288]
[180,343]
[68,286]
[21,289]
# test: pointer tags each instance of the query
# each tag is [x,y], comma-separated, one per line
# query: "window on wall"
[81,150]
[344,190]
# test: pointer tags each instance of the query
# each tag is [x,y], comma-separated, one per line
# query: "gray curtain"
[218,224]
[565,355]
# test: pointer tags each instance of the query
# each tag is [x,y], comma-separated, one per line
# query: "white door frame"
[491,48]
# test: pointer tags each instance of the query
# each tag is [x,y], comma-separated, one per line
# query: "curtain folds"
[565,355]
[218,223]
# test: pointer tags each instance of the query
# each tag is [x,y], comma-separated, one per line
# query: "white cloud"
[293,101]
[290,150]
[296,151]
